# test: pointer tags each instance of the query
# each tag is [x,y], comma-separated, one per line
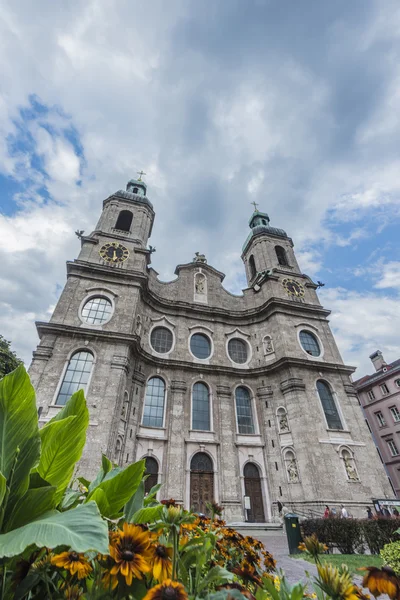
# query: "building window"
[395,413]
[281,256]
[392,448]
[384,389]
[252,267]
[153,414]
[397,382]
[200,345]
[371,395]
[237,350]
[76,376]
[161,339]
[97,310]
[151,469]
[135,190]
[124,220]
[200,407]
[309,343]
[380,418]
[244,411]
[329,406]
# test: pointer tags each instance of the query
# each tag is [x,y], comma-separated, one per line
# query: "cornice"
[133,341]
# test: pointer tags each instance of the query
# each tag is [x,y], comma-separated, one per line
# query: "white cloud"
[390,276]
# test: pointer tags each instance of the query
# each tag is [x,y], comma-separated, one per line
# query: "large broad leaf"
[3,488]
[63,441]
[19,432]
[81,529]
[148,515]
[118,489]
[135,503]
[35,503]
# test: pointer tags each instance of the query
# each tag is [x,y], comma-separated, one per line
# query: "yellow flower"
[313,546]
[162,562]
[73,562]
[277,583]
[131,552]
[168,590]
[382,581]
[72,592]
[336,583]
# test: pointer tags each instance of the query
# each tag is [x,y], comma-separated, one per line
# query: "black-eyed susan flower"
[382,581]
[247,572]
[162,562]
[73,592]
[168,590]
[131,552]
[74,562]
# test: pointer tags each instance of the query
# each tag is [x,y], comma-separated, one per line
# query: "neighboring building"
[379,396]
[226,396]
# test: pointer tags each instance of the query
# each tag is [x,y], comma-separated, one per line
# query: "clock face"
[293,288]
[114,252]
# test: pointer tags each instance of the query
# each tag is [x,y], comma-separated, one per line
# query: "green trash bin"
[293,533]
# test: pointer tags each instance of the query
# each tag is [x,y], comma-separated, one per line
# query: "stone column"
[231,494]
[176,455]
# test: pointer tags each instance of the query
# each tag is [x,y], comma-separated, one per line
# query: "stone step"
[254,528]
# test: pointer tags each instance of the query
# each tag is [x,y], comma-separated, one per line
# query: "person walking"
[369,513]
[343,512]
[327,512]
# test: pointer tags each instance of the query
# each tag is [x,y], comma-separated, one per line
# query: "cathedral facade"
[241,399]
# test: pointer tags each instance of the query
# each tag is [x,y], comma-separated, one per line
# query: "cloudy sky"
[292,104]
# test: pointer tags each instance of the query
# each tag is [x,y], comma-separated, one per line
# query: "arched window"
[329,406]
[281,256]
[76,376]
[309,343]
[153,414]
[244,411]
[151,470]
[124,220]
[252,267]
[117,451]
[251,470]
[201,407]
[201,463]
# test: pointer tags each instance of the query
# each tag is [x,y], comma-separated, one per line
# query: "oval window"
[161,340]
[309,343]
[237,350]
[97,310]
[200,345]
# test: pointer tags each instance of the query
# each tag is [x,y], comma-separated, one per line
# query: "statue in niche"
[350,470]
[200,258]
[200,284]
[283,422]
[138,329]
[293,470]
[268,345]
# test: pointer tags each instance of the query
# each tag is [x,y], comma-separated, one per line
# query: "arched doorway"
[152,471]
[252,489]
[201,482]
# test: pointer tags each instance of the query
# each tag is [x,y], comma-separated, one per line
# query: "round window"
[200,345]
[161,339]
[237,350]
[309,343]
[97,311]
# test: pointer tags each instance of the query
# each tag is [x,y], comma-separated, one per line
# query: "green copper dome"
[259,223]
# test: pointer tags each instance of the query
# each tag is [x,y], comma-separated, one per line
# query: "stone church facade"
[241,399]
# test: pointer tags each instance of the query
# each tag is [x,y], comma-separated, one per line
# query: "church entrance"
[152,471]
[201,482]
[252,488]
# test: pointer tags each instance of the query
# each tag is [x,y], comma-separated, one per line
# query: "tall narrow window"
[281,256]
[252,267]
[153,414]
[329,406]
[201,407]
[151,470]
[380,418]
[244,411]
[76,376]
[124,220]
[395,413]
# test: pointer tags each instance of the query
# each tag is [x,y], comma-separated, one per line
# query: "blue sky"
[294,105]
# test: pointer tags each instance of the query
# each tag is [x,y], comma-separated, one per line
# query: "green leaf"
[32,505]
[70,498]
[106,463]
[217,576]
[135,503]
[100,497]
[81,529]
[18,430]
[119,489]
[148,515]
[3,487]
[63,441]
[152,494]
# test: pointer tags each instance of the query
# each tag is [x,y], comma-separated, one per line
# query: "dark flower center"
[73,556]
[161,551]
[169,593]
[127,555]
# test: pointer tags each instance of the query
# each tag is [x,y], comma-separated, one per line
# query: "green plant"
[8,359]
[391,555]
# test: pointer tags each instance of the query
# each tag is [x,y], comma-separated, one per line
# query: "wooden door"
[252,487]
[201,482]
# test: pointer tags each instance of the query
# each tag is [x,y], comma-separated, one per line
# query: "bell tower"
[267,248]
